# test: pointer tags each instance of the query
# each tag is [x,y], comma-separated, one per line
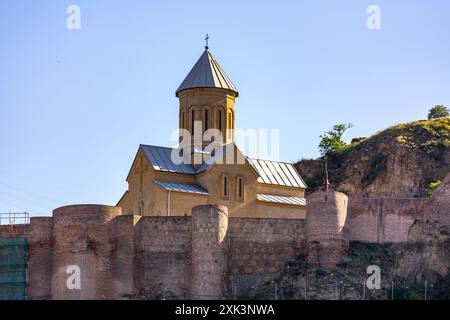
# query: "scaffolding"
[14,218]
[13,255]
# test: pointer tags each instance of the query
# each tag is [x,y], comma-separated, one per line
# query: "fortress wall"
[162,256]
[121,230]
[125,255]
[39,271]
[440,203]
[82,238]
[260,247]
[210,252]
[364,219]
[327,228]
[16,230]
[383,220]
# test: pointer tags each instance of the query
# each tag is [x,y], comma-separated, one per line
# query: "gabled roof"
[268,171]
[179,187]
[207,73]
[296,201]
[161,160]
[121,198]
[221,154]
[279,173]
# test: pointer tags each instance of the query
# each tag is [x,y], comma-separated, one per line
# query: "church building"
[252,188]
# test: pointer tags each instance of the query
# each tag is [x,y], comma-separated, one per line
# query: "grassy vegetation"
[431,136]
[424,133]
[363,253]
[433,186]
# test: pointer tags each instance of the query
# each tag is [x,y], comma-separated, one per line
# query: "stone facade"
[327,231]
[210,255]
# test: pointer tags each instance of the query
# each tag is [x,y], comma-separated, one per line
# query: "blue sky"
[75,104]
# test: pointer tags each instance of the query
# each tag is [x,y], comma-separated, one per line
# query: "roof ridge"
[271,160]
[153,145]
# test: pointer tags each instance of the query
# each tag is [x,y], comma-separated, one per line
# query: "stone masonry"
[209,255]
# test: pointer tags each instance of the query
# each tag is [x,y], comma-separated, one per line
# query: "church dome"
[207,73]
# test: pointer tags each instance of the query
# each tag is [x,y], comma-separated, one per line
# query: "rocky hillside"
[400,161]
[404,269]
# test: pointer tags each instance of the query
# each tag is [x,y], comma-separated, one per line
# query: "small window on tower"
[141,208]
[220,120]
[206,119]
[240,188]
[192,121]
[225,186]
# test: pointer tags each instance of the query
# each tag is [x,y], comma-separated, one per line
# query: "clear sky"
[76,104]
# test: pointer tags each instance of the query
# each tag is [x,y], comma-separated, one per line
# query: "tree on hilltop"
[439,111]
[331,142]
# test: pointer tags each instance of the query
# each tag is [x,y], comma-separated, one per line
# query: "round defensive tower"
[39,272]
[327,234]
[82,248]
[209,252]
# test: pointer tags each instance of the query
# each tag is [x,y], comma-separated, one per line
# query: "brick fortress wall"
[210,255]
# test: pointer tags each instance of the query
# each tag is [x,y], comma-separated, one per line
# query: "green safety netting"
[13,261]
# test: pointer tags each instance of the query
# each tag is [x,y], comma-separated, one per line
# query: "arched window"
[141,208]
[232,120]
[192,121]
[225,186]
[240,188]
[205,121]
[229,119]
[182,121]
[219,119]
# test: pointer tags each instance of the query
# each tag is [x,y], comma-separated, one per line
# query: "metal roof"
[278,173]
[219,155]
[178,187]
[281,199]
[269,172]
[161,160]
[207,73]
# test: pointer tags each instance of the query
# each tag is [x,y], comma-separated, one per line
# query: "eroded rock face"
[422,260]
[394,163]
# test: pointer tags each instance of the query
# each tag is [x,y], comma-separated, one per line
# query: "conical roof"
[207,73]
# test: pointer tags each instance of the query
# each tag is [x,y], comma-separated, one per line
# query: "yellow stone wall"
[280,190]
[213,100]
[154,199]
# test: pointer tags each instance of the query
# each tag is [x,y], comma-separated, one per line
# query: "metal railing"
[14,218]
